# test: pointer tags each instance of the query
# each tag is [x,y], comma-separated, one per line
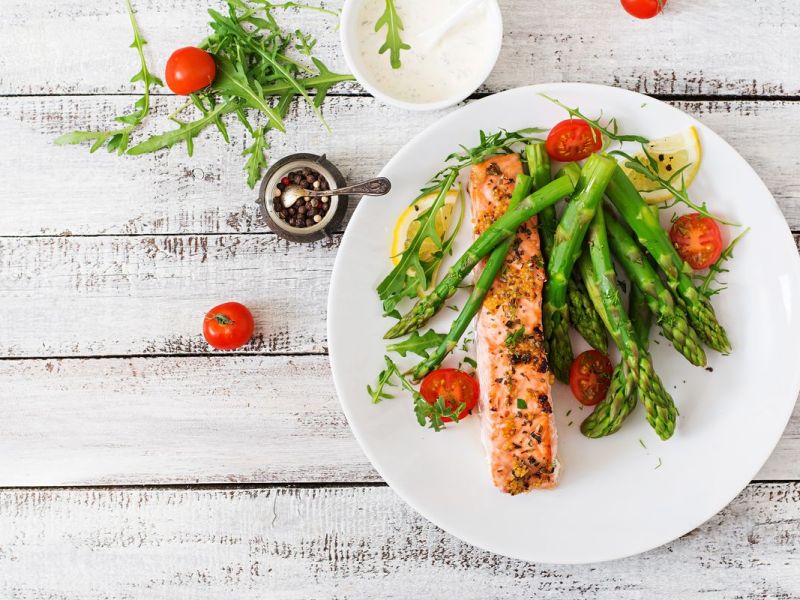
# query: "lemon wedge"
[407,226]
[673,153]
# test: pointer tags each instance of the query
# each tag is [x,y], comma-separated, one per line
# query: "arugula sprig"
[717,269]
[489,144]
[394,25]
[411,275]
[610,130]
[269,5]
[118,139]
[680,194]
[430,415]
[255,75]
[418,344]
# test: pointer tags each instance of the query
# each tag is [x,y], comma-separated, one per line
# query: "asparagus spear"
[637,364]
[672,319]
[495,234]
[581,311]
[493,265]
[571,229]
[608,415]
[583,315]
[645,225]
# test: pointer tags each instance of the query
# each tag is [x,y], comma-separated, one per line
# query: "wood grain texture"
[89,296]
[220,419]
[65,190]
[730,47]
[216,419]
[351,543]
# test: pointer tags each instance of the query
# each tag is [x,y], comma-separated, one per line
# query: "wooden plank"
[146,295]
[221,419]
[174,420]
[732,47]
[107,295]
[356,543]
[65,190]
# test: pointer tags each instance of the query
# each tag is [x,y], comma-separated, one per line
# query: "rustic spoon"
[378,186]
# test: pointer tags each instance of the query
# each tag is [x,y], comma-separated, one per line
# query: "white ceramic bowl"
[349,30]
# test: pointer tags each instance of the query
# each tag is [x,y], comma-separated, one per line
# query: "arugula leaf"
[269,5]
[186,132]
[650,170]
[117,140]
[394,44]
[231,80]
[717,268]
[409,275]
[433,415]
[384,379]
[418,344]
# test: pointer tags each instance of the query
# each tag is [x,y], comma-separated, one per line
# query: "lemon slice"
[672,153]
[407,226]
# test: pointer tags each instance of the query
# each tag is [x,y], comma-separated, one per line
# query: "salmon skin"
[515,406]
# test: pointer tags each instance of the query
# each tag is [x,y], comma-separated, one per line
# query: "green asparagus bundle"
[637,364]
[499,231]
[571,229]
[645,225]
[671,318]
[581,311]
[493,265]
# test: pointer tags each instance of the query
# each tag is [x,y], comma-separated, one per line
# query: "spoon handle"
[371,187]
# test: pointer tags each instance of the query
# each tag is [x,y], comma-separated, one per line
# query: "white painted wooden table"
[137,464]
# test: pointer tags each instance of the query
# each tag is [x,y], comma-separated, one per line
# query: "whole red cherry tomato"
[228,326]
[643,9]
[189,70]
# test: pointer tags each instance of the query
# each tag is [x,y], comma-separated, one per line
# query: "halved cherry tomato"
[228,326]
[643,9]
[454,386]
[573,140]
[590,377]
[697,239]
[189,70]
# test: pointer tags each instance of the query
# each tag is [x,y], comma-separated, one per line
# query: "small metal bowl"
[338,204]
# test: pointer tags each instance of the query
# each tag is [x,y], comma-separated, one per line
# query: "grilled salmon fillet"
[515,407]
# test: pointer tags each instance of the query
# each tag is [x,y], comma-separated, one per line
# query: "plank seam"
[164,355]
[475,96]
[261,486]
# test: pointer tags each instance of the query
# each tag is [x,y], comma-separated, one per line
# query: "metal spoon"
[378,186]
[430,37]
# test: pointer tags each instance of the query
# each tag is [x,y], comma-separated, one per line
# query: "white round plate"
[619,495]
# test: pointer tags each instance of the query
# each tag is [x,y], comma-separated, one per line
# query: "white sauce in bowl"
[458,62]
